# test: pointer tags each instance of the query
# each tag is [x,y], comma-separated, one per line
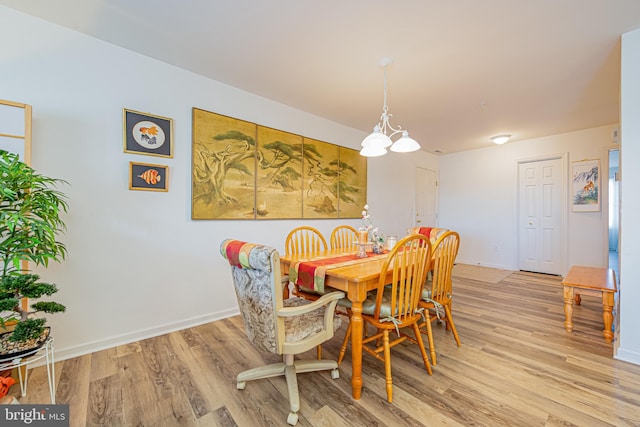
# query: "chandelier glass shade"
[377,142]
[373,151]
[377,138]
[405,144]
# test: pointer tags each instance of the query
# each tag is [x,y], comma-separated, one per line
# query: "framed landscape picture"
[585,186]
[148,177]
[147,134]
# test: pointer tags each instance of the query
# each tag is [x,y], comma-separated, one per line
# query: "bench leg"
[568,308]
[607,315]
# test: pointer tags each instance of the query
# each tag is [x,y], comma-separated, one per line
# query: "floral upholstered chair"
[281,326]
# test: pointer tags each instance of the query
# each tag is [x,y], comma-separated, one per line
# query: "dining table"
[355,277]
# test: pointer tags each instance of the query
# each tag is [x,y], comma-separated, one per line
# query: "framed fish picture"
[147,134]
[144,176]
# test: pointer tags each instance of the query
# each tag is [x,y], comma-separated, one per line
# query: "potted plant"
[30,209]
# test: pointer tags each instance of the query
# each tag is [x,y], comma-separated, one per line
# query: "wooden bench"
[593,281]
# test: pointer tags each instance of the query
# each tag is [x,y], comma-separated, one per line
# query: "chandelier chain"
[385,117]
[376,143]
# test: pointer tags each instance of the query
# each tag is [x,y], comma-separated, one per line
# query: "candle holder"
[362,250]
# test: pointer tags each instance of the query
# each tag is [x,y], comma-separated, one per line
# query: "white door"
[426,198]
[541,212]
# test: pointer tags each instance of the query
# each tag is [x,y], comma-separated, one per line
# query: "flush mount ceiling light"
[500,139]
[377,142]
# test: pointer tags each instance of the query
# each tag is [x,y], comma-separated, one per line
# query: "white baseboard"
[627,356]
[500,266]
[61,354]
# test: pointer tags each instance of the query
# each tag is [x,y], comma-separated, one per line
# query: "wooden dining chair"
[304,239]
[431,232]
[343,237]
[438,292]
[286,327]
[394,304]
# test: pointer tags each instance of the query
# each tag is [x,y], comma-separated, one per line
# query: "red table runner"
[310,273]
[425,231]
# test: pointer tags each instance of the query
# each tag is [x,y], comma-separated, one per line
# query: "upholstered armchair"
[281,326]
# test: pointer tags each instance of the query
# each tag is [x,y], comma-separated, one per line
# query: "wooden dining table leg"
[356,349]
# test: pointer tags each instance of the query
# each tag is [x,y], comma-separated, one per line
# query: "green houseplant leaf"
[30,209]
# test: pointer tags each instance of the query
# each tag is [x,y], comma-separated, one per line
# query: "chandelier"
[377,142]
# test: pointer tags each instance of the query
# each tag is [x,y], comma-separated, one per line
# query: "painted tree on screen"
[211,167]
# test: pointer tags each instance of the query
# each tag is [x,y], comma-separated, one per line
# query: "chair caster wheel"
[292,419]
[241,385]
[335,374]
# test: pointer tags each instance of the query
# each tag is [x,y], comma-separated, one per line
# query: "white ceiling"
[462,71]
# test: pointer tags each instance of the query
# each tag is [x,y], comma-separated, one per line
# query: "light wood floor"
[516,367]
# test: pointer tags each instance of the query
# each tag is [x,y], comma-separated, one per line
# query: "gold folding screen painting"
[279,174]
[320,179]
[224,164]
[352,183]
[246,171]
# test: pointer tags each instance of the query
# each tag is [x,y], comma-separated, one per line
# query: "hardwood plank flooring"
[517,366]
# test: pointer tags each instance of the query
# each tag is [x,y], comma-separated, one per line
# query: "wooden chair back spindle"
[343,237]
[304,239]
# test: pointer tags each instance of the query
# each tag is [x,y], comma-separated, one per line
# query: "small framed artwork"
[585,186]
[147,134]
[144,176]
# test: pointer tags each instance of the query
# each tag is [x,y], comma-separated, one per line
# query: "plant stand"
[26,359]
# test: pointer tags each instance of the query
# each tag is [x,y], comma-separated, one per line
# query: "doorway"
[426,198]
[542,215]
[614,209]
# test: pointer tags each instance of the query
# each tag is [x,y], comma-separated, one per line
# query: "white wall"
[392,189]
[478,198]
[629,338]
[138,266]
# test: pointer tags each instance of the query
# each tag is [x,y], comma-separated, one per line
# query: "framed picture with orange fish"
[147,134]
[144,176]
